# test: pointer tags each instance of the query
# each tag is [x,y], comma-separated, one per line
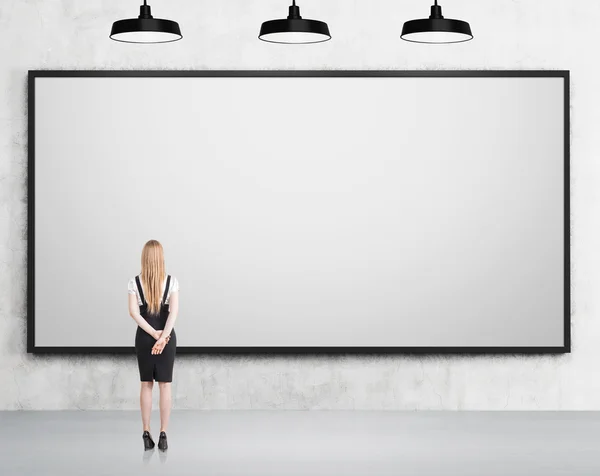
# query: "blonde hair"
[153,274]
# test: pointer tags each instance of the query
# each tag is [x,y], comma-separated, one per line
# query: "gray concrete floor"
[303,443]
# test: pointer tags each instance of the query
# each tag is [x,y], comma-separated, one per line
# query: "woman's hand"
[159,346]
[158,334]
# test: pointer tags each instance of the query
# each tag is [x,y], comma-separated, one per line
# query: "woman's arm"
[173,311]
[134,312]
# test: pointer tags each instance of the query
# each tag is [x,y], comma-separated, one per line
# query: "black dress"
[157,367]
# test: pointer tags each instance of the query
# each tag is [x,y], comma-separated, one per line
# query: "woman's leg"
[146,403]
[165,404]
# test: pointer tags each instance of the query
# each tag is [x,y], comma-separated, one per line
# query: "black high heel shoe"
[162,441]
[148,441]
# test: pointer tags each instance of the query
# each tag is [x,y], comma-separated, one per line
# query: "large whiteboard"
[323,211]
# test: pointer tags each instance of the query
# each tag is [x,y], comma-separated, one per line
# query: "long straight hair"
[153,274]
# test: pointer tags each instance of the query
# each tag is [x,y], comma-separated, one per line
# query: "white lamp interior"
[437,37]
[146,37]
[295,37]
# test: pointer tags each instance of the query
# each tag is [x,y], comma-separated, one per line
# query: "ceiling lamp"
[436,29]
[294,29]
[145,29]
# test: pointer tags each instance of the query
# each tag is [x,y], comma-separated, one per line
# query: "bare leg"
[165,404]
[146,403]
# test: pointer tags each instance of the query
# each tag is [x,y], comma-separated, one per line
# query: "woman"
[154,304]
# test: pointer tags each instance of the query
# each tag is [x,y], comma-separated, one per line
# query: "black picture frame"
[33,74]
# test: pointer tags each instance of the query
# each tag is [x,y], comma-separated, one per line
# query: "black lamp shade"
[294,29]
[145,29]
[436,29]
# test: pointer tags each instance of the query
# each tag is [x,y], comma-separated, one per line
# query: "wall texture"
[517,34]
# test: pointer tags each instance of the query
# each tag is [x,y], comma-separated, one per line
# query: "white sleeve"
[175,285]
[131,287]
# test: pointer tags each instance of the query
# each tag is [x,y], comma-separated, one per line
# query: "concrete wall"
[517,34]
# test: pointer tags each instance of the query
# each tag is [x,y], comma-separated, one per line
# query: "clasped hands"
[161,342]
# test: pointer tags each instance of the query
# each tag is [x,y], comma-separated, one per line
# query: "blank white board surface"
[320,212]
